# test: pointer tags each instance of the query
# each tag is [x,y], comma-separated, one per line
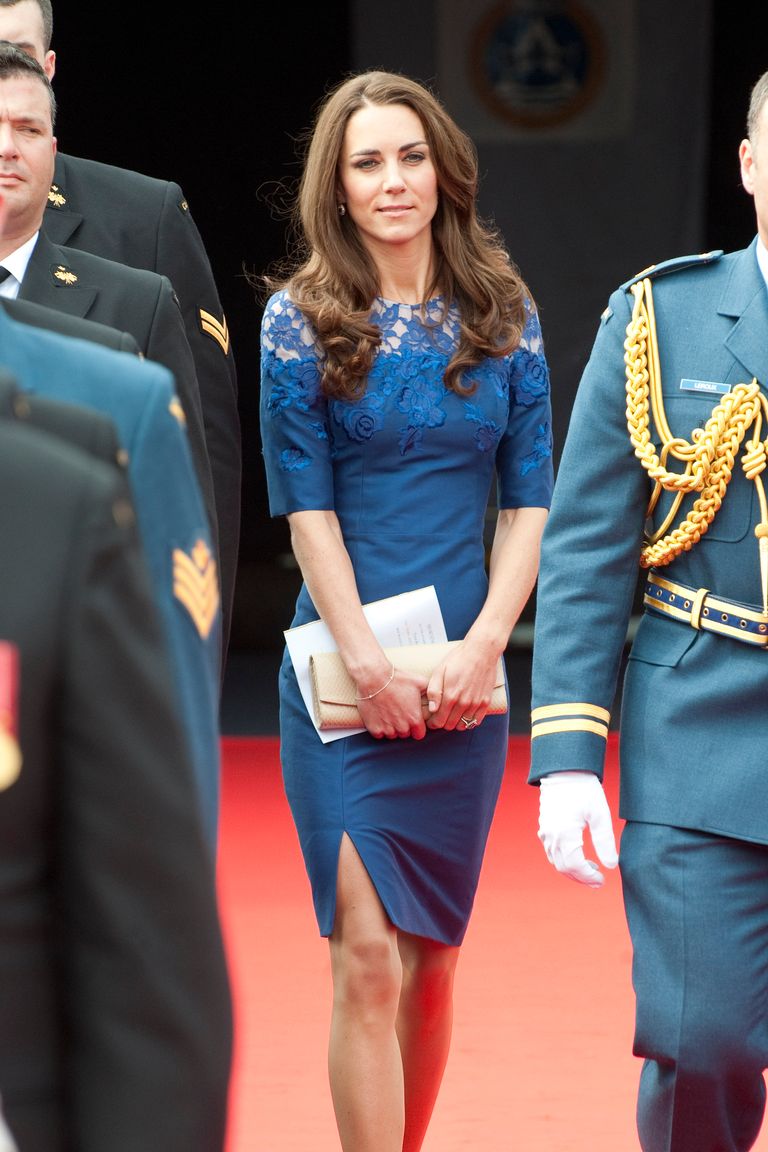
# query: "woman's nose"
[393,179]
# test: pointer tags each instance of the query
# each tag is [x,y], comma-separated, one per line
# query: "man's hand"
[569,802]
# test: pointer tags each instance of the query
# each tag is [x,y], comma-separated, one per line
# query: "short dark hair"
[46,11]
[14,62]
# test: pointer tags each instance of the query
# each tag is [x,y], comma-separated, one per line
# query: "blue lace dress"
[408,470]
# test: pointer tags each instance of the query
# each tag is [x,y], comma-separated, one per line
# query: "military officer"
[146,223]
[157,232]
[115,1007]
[663,472]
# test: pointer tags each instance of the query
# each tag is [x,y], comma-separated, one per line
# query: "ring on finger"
[469,722]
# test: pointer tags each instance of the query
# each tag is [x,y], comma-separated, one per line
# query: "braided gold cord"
[710,456]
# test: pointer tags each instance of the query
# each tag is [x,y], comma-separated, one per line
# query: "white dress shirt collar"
[16,263]
[762,260]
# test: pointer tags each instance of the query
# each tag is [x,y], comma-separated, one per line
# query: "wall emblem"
[536,63]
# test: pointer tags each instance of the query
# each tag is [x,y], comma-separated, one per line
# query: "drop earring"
[342,209]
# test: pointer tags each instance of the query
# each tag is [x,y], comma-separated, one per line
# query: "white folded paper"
[409,618]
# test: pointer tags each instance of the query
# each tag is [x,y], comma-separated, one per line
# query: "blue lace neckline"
[406,304]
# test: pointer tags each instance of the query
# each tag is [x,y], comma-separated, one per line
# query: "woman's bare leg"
[364,1062]
[424,1023]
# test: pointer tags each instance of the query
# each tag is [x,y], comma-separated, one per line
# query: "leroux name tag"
[707,386]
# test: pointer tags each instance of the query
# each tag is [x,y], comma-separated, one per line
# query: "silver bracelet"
[372,694]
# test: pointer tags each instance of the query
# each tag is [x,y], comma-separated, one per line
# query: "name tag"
[707,386]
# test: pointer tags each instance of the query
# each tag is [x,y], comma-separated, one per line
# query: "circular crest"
[537,64]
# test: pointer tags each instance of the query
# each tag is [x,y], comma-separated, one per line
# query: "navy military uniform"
[693,722]
[138,396]
[146,223]
[115,1007]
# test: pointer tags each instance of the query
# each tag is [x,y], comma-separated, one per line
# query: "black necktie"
[4,273]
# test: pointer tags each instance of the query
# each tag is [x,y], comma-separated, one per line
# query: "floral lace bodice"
[406,408]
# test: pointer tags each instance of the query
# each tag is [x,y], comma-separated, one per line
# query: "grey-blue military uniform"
[694,716]
[139,397]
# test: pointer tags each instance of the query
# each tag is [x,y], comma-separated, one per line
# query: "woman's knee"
[429,967]
[366,972]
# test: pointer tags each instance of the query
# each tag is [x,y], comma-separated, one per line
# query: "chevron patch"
[216,329]
[196,585]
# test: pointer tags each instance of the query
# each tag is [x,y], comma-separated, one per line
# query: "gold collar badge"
[64,274]
[56,197]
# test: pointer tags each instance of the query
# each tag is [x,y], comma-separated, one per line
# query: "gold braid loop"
[754,460]
[710,456]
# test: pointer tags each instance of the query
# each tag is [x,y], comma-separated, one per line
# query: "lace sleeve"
[293,413]
[524,460]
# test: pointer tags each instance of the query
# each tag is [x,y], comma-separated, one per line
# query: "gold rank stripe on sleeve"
[576,717]
[196,586]
[217,329]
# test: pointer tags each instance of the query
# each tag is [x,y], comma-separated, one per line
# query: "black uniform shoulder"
[32,439]
[75,172]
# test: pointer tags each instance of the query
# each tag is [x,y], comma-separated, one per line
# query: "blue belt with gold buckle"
[701,609]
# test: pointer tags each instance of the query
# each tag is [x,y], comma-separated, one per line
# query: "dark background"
[217,100]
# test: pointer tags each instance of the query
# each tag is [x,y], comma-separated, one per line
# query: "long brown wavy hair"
[334,281]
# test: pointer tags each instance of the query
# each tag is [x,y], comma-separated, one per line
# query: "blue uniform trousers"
[697,908]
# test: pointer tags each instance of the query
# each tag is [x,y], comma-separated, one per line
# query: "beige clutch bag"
[333,690]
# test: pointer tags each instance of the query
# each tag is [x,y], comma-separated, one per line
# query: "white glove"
[569,802]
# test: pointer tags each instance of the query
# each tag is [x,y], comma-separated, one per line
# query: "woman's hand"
[461,687]
[396,711]
[460,690]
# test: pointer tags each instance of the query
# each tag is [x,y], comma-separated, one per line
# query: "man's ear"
[747,161]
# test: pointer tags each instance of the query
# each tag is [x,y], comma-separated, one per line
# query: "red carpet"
[541,1055]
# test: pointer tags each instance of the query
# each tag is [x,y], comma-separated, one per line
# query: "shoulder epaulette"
[677,264]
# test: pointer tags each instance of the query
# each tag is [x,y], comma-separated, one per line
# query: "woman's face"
[386,177]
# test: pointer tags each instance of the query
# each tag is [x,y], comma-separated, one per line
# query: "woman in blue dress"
[402,371]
